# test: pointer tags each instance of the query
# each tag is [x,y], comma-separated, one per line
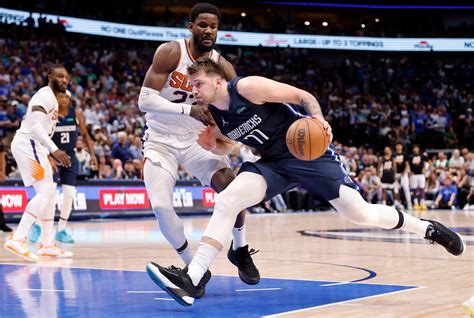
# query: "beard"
[203,48]
[58,88]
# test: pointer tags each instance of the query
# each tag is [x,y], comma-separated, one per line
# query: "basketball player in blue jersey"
[257,112]
[173,122]
[65,137]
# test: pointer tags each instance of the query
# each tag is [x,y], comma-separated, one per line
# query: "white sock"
[47,232]
[27,220]
[68,196]
[186,253]
[238,235]
[203,259]
[414,225]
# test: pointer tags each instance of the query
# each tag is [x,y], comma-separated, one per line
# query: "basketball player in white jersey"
[30,147]
[172,127]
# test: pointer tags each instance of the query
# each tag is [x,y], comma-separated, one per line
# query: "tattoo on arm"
[311,105]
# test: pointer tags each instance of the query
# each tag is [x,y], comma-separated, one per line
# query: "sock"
[203,259]
[27,220]
[238,235]
[186,253]
[47,232]
[412,224]
[68,196]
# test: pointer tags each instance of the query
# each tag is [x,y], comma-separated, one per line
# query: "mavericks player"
[30,147]
[257,112]
[172,129]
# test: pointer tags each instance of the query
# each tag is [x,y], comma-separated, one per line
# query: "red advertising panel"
[123,199]
[208,197]
[14,200]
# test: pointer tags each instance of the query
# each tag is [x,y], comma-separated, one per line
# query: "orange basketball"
[306,139]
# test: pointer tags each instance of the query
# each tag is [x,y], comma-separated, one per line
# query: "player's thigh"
[32,160]
[160,155]
[202,164]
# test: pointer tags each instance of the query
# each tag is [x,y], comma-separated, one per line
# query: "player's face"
[204,30]
[399,148]
[59,79]
[204,87]
[416,150]
[63,100]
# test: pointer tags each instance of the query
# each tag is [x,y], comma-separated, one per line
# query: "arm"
[2,163]
[211,139]
[38,116]
[165,59]
[260,90]
[85,135]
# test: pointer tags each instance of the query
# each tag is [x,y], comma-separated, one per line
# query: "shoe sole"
[241,275]
[65,242]
[161,280]
[55,256]
[25,257]
[463,244]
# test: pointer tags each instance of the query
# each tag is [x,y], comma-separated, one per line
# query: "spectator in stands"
[446,198]
[84,159]
[440,165]
[456,162]
[120,149]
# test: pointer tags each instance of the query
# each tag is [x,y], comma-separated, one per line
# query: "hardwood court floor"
[349,254]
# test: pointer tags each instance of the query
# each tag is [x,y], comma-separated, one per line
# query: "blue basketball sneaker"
[64,237]
[35,233]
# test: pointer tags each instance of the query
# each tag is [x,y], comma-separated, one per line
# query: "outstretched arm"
[260,90]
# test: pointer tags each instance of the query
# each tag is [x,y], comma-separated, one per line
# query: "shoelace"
[174,268]
[440,237]
[246,256]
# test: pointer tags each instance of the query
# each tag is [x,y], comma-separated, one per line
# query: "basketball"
[306,139]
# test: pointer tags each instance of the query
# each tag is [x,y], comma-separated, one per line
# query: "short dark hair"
[203,7]
[207,65]
[52,67]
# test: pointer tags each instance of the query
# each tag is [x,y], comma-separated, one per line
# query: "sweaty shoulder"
[166,57]
[229,71]
[45,98]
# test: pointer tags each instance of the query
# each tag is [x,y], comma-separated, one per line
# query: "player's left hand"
[207,138]
[326,126]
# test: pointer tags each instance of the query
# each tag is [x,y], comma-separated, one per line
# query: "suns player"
[172,129]
[258,113]
[30,147]
[70,120]
[386,168]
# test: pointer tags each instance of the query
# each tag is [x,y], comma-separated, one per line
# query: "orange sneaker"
[54,251]
[20,248]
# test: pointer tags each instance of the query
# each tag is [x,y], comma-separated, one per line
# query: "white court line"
[334,284]
[164,299]
[257,289]
[341,302]
[48,290]
[145,291]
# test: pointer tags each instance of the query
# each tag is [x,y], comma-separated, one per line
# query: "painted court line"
[48,290]
[334,284]
[164,299]
[338,303]
[145,291]
[257,289]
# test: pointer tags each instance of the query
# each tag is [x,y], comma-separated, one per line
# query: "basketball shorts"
[417,181]
[31,158]
[68,175]
[169,151]
[321,177]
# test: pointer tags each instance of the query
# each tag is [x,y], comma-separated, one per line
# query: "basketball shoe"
[64,237]
[20,248]
[54,251]
[35,233]
[175,282]
[202,283]
[242,258]
[450,240]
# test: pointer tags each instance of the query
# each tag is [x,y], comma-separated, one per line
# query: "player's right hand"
[202,113]
[61,157]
